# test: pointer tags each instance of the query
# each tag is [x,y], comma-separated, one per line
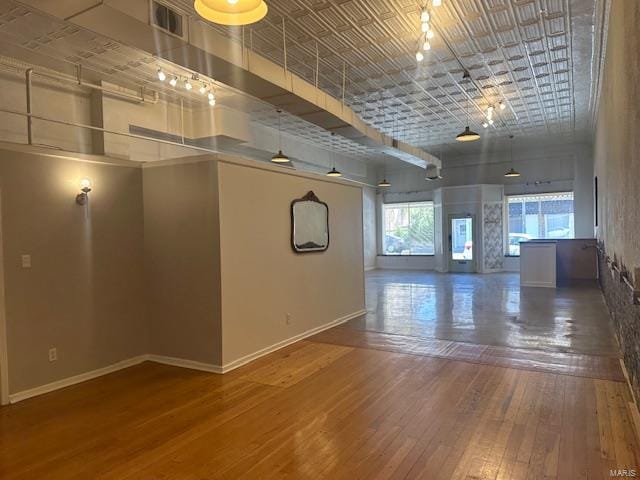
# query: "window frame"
[506,215]
[430,203]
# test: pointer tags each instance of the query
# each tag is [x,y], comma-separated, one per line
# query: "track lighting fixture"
[419,56]
[425,27]
[426,46]
[430,34]
[502,106]
[174,81]
[424,16]
[161,75]
[202,89]
[485,124]
[436,3]
[187,84]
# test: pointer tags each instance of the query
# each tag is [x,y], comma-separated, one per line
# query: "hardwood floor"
[419,397]
[316,410]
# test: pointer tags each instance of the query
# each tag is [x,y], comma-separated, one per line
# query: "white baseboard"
[181,362]
[83,377]
[176,362]
[277,346]
[368,269]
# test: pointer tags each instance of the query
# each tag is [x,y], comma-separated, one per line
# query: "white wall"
[559,168]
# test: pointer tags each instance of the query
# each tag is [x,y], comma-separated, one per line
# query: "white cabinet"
[538,264]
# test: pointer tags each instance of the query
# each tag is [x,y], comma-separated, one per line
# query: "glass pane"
[462,238]
[544,216]
[408,229]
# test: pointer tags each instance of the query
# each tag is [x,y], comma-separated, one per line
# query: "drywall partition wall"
[182,260]
[269,293]
[83,292]
[617,166]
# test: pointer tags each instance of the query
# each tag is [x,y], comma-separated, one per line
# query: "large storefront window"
[408,228]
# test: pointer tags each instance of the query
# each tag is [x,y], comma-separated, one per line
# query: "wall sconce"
[85,187]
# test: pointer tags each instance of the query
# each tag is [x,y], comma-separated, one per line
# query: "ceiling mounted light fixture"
[280,157]
[231,12]
[419,56]
[384,183]
[161,75]
[333,172]
[203,89]
[425,27]
[424,16]
[467,135]
[502,106]
[512,171]
[426,46]
[187,85]
[436,3]
[174,81]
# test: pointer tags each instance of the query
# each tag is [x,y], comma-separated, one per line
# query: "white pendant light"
[512,171]
[384,183]
[467,135]
[280,157]
[333,172]
[231,12]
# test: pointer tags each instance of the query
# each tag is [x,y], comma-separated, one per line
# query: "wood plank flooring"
[592,366]
[323,411]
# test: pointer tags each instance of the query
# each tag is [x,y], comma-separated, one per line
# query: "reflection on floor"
[356,404]
[488,310]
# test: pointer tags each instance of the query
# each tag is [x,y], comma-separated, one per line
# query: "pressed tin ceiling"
[42,40]
[536,55]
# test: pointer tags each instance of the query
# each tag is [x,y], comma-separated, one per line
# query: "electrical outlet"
[53,354]
[26,261]
[288,319]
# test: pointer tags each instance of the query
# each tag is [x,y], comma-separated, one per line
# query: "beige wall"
[263,280]
[182,259]
[84,292]
[617,147]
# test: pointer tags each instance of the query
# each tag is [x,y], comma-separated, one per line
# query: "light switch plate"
[26,261]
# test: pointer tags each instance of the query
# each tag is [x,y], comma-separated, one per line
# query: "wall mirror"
[309,224]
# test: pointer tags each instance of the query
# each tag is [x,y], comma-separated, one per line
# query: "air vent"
[166,19]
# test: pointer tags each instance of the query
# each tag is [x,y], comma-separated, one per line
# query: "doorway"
[462,245]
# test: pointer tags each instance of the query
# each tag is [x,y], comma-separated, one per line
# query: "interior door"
[462,247]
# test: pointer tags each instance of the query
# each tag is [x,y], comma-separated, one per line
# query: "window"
[544,216]
[408,229]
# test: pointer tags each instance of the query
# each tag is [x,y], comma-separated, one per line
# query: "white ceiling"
[32,37]
[536,55]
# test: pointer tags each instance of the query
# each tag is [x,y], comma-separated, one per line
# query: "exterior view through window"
[408,228]
[544,216]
